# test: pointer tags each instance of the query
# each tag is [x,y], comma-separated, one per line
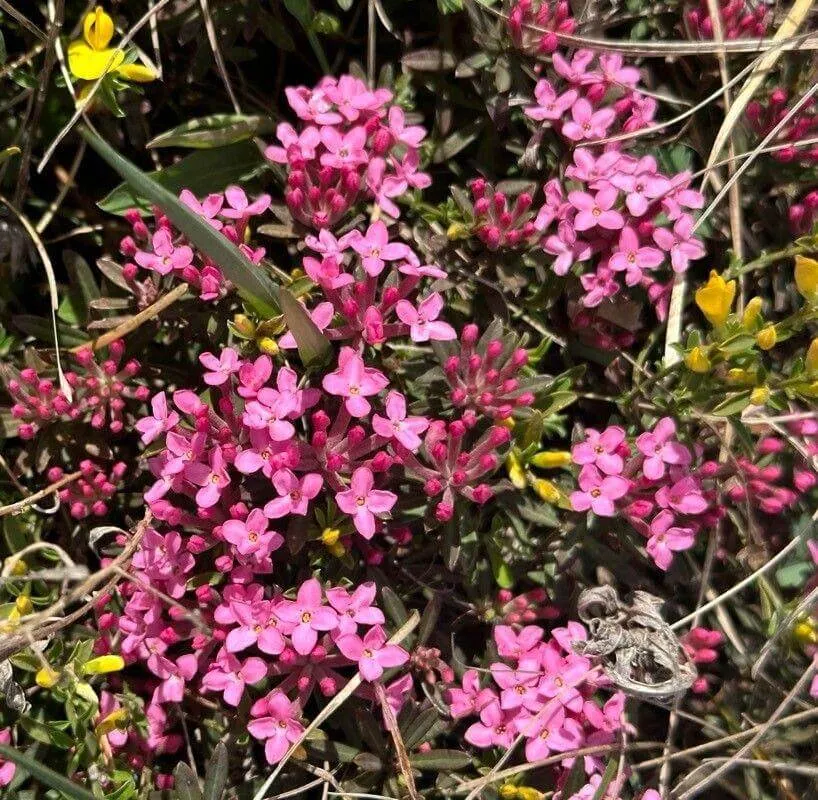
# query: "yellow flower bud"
[805,632]
[268,345]
[337,550]
[20,567]
[767,337]
[806,277]
[528,793]
[811,359]
[457,230]
[508,422]
[47,677]
[760,395]
[752,312]
[244,326]
[330,536]
[98,29]
[508,791]
[546,490]
[715,299]
[741,376]
[697,361]
[117,720]
[23,605]
[103,664]
[516,473]
[549,459]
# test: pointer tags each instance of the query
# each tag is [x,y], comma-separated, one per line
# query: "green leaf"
[611,769]
[440,760]
[83,289]
[394,606]
[41,329]
[186,784]
[252,282]
[302,10]
[216,774]
[3,51]
[733,404]
[313,346]
[503,575]
[202,172]
[45,775]
[215,130]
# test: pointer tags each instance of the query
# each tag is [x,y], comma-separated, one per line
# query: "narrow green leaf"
[440,760]
[302,10]
[611,769]
[215,130]
[185,783]
[45,775]
[216,774]
[313,346]
[252,282]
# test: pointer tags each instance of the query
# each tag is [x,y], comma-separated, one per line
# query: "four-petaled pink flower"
[549,733]
[667,539]
[550,105]
[632,257]
[212,478]
[251,536]
[600,449]
[309,616]
[362,502]
[161,421]
[355,609]
[275,721]
[596,210]
[372,653]
[165,257]
[374,248]
[229,676]
[295,494]
[469,698]
[598,492]
[221,368]
[354,382]
[397,425]
[422,321]
[660,448]
[496,727]
[585,123]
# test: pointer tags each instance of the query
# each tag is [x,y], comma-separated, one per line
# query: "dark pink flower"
[363,502]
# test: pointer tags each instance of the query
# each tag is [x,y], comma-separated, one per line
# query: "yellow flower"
[23,605]
[806,277]
[515,470]
[528,793]
[47,677]
[751,313]
[715,299]
[546,490]
[549,459]
[697,361]
[330,537]
[806,631]
[244,326]
[117,720]
[457,230]
[268,345]
[737,375]
[508,791]
[767,337]
[812,358]
[759,396]
[92,58]
[103,664]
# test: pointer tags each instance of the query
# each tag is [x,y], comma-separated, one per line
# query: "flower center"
[367,654]
[252,536]
[282,723]
[295,495]
[597,211]
[306,617]
[214,478]
[596,492]
[354,390]
[360,501]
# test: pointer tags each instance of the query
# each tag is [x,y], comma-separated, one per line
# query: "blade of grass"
[45,775]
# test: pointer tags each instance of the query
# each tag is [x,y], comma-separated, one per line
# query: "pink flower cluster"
[526,16]
[592,96]
[100,392]
[701,645]
[656,477]
[541,690]
[624,217]
[352,144]
[90,493]
[739,18]
[804,213]
[764,116]
[371,290]
[7,768]
[163,251]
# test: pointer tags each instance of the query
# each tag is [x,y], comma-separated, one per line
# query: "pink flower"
[598,492]
[550,106]
[422,321]
[495,729]
[396,693]
[356,608]
[519,686]
[161,421]
[470,699]
[587,123]
[641,187]
[174,675]
[251,536]
[410,136]
[681,244]
[294,494]
[309,616]
[327,273]
[207,209]
[659,449]
[600,449]
[229,676]
[275,722]
[596,210]
[665,540]
[165,257]
[321,315]
[511,644]
[7,768]
[631,257]
[240,208]
[397,425]
[374,248]
[372,653]
[213,478]
[362,502]
[221,368]
[344,151]
[549,733]
[354,382]
[684,496]
[258,625]
[614,73]
[701,643]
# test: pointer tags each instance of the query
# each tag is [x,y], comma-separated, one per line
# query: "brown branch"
[22,505]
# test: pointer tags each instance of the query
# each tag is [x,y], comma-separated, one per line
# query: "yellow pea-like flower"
[715,299]
[515,471]
[752,311]
[508,791]
[767,337]
[759,396]
[697,361]
[90,58]
[811,359]
[47,677]
[806,277]
[103,664]
[549,459]
[117,720]
[268,345]
[546,491]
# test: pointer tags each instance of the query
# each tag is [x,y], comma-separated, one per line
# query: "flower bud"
[811,359]
[47,677]
[767,337]
[268,345]
[760,395]
[697,361]
[806,277]
[103,665]
[546,490]
[751,313]
[549,459]
[715,299]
